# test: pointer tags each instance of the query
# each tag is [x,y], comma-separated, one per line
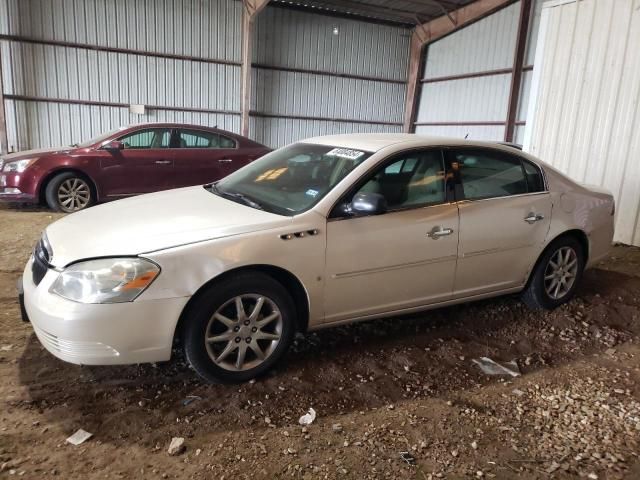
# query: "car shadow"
[349,368]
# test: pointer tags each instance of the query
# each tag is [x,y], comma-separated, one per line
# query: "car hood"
[153,222]
[34,153]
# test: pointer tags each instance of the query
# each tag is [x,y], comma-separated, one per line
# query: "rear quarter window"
[535,182]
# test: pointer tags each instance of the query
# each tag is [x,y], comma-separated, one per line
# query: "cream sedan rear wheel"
[561,272]
[556,274]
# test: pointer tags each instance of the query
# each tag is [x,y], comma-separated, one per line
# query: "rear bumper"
[106,334]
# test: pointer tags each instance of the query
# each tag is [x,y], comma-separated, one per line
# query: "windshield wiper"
[235,196]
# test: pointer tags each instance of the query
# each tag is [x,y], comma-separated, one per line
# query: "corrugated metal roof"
[403,12]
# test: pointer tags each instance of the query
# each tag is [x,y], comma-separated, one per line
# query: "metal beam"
[250,8]
[432,31]
[526,7]
[4,144]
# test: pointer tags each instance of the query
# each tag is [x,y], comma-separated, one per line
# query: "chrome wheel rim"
[561,272]
[73,194]
[243,332]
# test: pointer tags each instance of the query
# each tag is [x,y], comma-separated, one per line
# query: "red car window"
[203,139]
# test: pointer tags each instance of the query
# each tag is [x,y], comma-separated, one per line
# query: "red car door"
[145,164]
[203,156]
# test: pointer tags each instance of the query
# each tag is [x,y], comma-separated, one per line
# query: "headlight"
[18,166]
[106,280]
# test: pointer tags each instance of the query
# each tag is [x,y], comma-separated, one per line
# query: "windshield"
[292,179]
[98,139]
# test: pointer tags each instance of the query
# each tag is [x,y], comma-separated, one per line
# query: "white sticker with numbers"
[345,153]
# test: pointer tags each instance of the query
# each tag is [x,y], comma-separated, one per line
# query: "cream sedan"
[323,232]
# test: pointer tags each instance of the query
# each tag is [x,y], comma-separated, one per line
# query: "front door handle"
[225,160]
[437,232]
[533,218]
[163,162]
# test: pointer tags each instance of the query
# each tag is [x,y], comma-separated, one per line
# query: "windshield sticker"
[311,192]
[345,153]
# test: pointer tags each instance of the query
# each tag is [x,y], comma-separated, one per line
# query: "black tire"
[200,317]
[535,295]
[83,197]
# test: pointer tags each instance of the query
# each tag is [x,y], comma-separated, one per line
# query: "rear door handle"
[225,160]
[533,218]
[163,162]
[437,232]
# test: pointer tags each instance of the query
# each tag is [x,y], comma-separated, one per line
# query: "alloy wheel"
[561,272]
[73,194]
[243,332]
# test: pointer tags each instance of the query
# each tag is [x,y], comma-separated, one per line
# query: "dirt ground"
[379,388]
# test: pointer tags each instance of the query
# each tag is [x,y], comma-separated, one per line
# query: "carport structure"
[282,70]
[275,70]
[429,21]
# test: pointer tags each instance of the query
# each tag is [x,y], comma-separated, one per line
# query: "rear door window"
[489,174]
[203,139]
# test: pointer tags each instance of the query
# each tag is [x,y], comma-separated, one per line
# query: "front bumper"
[105,334]
[13,189]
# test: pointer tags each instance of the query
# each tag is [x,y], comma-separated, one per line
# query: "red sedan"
[128,161]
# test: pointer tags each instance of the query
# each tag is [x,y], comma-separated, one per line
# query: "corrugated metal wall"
[63,60]
[71,68]
[318,82]
[584,116]
[476,104]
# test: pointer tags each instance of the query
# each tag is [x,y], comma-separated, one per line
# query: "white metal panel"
[472,132]
[301,40]
[293,93]
[295,39]
[202,29]
[276,132]
[584,117]
[487,44]
[523,101]
[209,29]
[468,99]
[518,134]
[80,74]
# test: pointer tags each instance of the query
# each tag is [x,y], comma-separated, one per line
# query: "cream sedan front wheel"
[239,328]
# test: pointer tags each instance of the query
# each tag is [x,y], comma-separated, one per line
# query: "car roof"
[170,124]
[372,142]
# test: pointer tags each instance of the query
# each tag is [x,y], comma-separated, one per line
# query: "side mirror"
[113,145]
[367,203]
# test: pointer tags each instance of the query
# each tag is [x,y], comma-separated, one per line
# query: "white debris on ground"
[80,436]
[308,418]
[176,447]
[491,367]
